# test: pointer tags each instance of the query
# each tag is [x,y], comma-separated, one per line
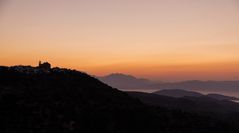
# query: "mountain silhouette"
[222,97]
[216,86]
[125,82]
[68,101]
[130,83]
[178,93]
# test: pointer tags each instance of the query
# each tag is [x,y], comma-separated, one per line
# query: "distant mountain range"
[178,93]
[183,93]
[127,82]
[201,85]
[222,97]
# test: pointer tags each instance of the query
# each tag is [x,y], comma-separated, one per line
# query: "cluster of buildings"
[42,67]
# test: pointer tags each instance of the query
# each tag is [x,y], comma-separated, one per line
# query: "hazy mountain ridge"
[177,93]
[193,85]
[201,85]
[68,101]
[123,81]
[222,97]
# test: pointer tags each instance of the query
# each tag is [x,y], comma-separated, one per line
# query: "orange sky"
[157,39]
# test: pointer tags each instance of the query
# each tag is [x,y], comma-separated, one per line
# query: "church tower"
[44,66]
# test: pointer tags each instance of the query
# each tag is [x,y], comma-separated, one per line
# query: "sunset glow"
[157,39]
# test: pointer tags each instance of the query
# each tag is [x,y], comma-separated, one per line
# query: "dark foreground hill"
[67,101]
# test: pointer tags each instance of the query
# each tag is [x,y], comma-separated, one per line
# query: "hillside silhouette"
[68,101]
[213,107]
[197,104]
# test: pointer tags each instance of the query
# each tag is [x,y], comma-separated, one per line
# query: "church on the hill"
[45,65]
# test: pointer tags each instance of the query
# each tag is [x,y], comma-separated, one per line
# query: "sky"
[168,40]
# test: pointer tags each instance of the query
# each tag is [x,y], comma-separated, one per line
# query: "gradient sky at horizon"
[158,39]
